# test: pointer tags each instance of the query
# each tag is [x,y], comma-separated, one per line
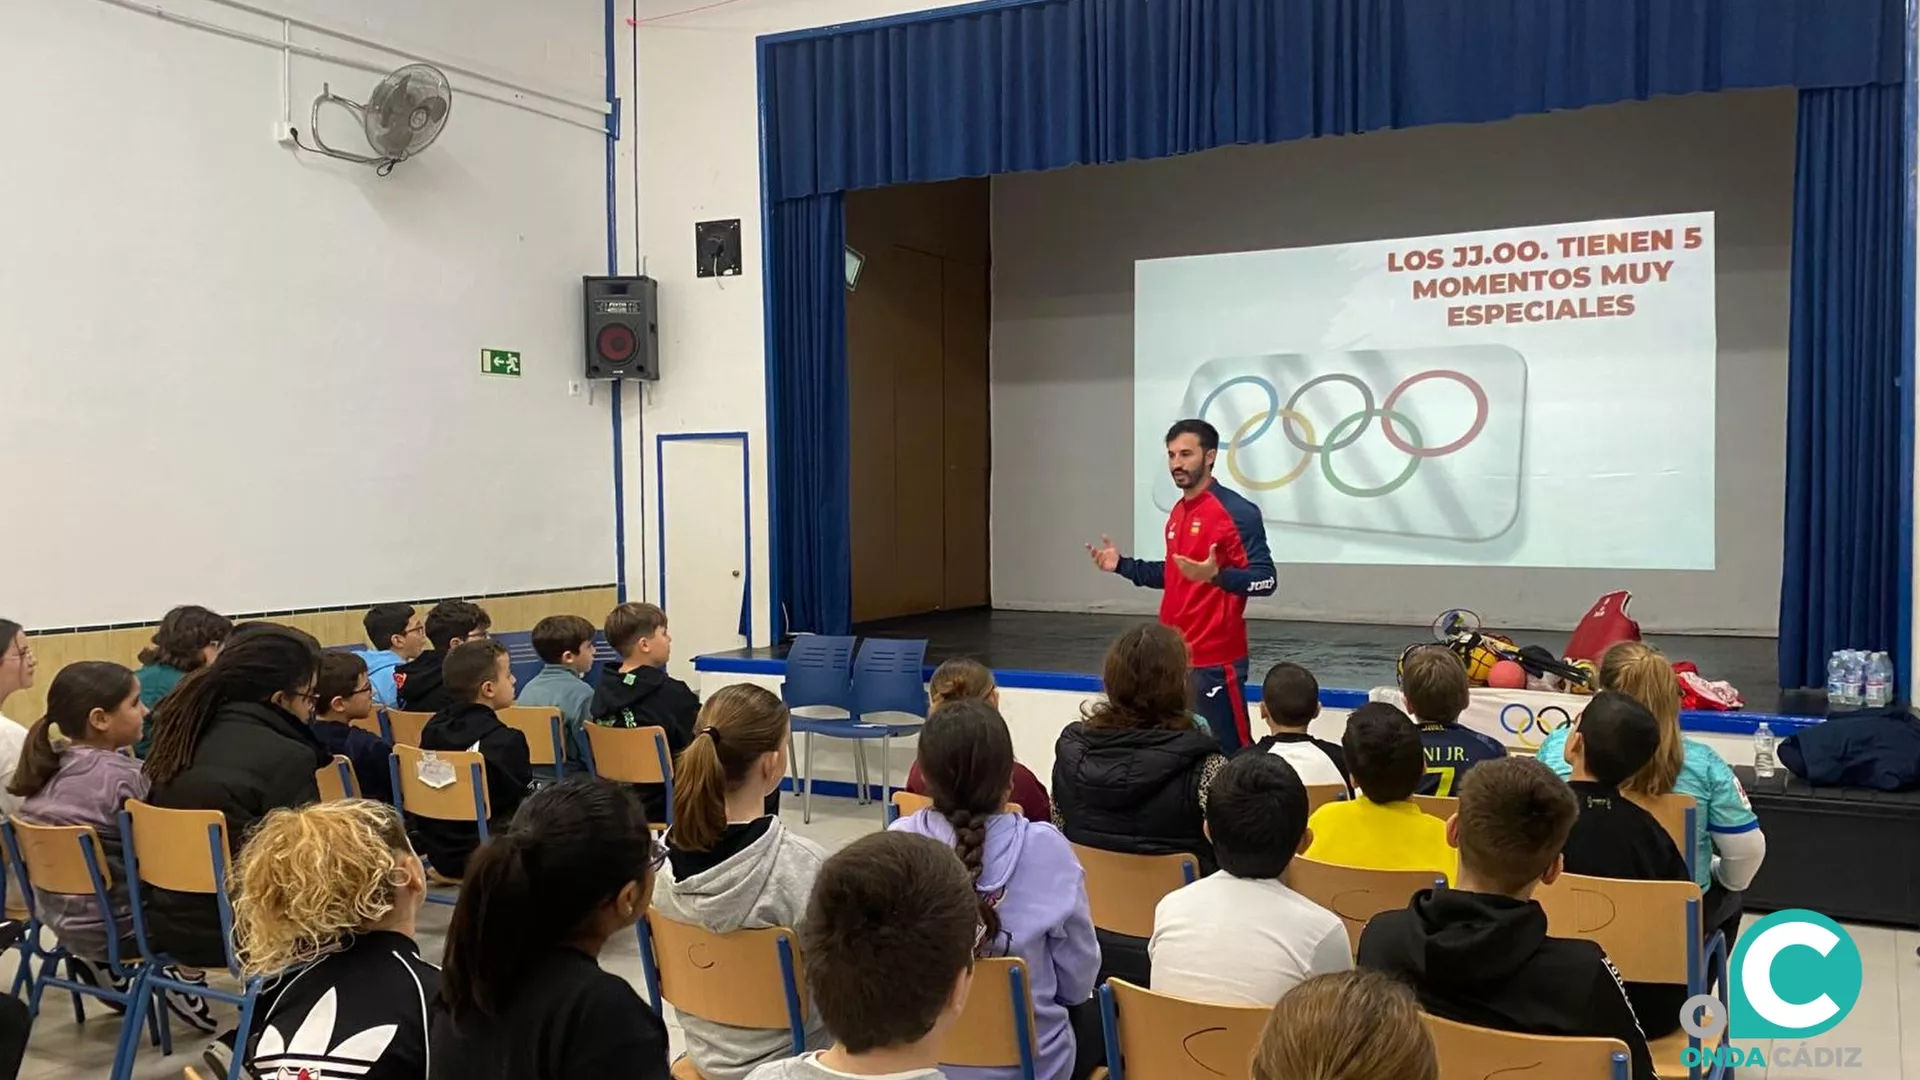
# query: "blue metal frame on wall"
[613,269]
[746,511]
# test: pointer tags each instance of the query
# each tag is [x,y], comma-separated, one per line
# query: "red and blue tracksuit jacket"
[1210,615]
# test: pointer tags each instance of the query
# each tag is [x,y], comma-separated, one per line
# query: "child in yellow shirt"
[1381,828]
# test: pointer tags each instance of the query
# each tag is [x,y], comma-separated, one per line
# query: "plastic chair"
[182,851]
[1678,814]
[632,756]
[336,780]
[1651,932]
[375,723]
[818,689]
[1156,1035]
[995,1030]
[1438,806]
[404,728]
[888,682]
[463,800]
[1353,893]
[69,860]
[747,978]
[1475,1053]
[546,741]
[1319,795]
[1123,890]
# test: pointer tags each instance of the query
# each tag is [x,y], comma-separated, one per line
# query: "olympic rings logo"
[1534,722]
[1345,432]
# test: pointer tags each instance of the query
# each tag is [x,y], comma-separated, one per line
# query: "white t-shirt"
[13,739]
[1308,760]
[1242,941]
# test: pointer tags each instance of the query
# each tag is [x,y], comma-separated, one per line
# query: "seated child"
[961,679]
[1434,683]
[1356,1025]
[1479,953]
[732,864]
[565,645]
[343,693]
[479,678]
[331,890]
[1613,737]
[420,684]
[635,691]
[1289,701]
[1239,936]
[1032,892]
[1381,829]
[399,635]
[888,940]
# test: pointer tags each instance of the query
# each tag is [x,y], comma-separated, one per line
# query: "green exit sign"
[499,362]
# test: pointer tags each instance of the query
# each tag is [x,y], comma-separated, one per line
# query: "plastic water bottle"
[1763,751]
[1836,680]
[1856,677]
[1879,681]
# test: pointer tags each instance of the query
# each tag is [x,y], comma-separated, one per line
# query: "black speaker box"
[623,327]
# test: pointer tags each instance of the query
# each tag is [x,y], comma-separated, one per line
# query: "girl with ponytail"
[733,864]
[522,995]
[1033,895]
[962,679]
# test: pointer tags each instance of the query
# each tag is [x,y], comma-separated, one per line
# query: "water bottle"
[1856,677]
[1836,681]
[1763,751]
[1879,681]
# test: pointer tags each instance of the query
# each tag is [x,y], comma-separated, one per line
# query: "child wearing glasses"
[342,694]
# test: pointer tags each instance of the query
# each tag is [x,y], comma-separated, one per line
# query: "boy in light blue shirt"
[565,643]
[399,635]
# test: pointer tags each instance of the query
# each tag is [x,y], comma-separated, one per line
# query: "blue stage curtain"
[1047,83]
[813,557]
[1839,583]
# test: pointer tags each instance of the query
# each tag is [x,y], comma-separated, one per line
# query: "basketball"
[1507,675]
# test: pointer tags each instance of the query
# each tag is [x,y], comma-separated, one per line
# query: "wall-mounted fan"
[402,117]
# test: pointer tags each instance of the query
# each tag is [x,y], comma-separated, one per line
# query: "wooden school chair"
[1353,893]
[404,728]
[1319,795]
[1476,1053]
[375,723]
[181,851]
[69,860]
[546,739]
[907,804]
[1438,806]
[1677,814]
[336,780]
[995,1030]
[1651,932]
[1123,890]
[1158,1037]
[632,756]
[747,979]
[464,800]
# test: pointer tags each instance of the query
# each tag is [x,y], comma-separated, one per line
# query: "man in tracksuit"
[1216,557]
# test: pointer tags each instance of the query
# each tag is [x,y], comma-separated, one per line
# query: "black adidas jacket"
[360,1012]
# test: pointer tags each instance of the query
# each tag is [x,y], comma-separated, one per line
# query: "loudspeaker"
[623,327]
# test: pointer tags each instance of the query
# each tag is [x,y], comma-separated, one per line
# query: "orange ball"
[1507,675]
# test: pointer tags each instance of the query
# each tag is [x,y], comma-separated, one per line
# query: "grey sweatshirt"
[808,1068]
[763,885]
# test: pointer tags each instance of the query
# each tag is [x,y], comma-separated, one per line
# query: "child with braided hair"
[1032,892]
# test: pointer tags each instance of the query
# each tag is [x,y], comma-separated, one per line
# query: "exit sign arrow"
[500,362]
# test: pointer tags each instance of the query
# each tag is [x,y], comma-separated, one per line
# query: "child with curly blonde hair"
[325,898]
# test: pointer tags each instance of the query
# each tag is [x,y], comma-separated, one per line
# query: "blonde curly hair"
[309,877]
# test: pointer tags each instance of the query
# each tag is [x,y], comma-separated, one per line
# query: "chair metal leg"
[79,1009]
[806,792]
[793,763]
[860,775]
[237,1070]
[886,777]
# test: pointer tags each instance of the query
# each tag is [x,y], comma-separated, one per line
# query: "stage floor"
[1347,656]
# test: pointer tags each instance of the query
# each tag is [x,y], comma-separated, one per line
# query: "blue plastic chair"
[889,694]
[171,837]
[49,847]
[818,688]
[430,803]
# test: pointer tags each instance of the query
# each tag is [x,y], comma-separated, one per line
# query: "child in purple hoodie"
[1033,894]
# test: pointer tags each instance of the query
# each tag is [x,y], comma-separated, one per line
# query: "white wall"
[244,377]
[1064,246]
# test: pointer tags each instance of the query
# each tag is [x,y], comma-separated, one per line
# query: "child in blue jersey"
[1728,843]
[1434,683]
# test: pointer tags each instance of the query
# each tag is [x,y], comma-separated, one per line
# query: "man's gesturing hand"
[1199,571]
[1106,556]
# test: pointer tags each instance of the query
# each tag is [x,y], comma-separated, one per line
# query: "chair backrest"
[819,672]
[1153,1035]
[1319,795]
[1473,1053]
[460,800]
[336,780]
[889,677]
[1353,893]
[1671,811]
[1648,928]
[630,755]
[995,1030]
[1440,806]
[55,857]
[1123,889]
[407,726]
[747,978]
[374,723]
[906,804]
[177,849]
[541,725]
